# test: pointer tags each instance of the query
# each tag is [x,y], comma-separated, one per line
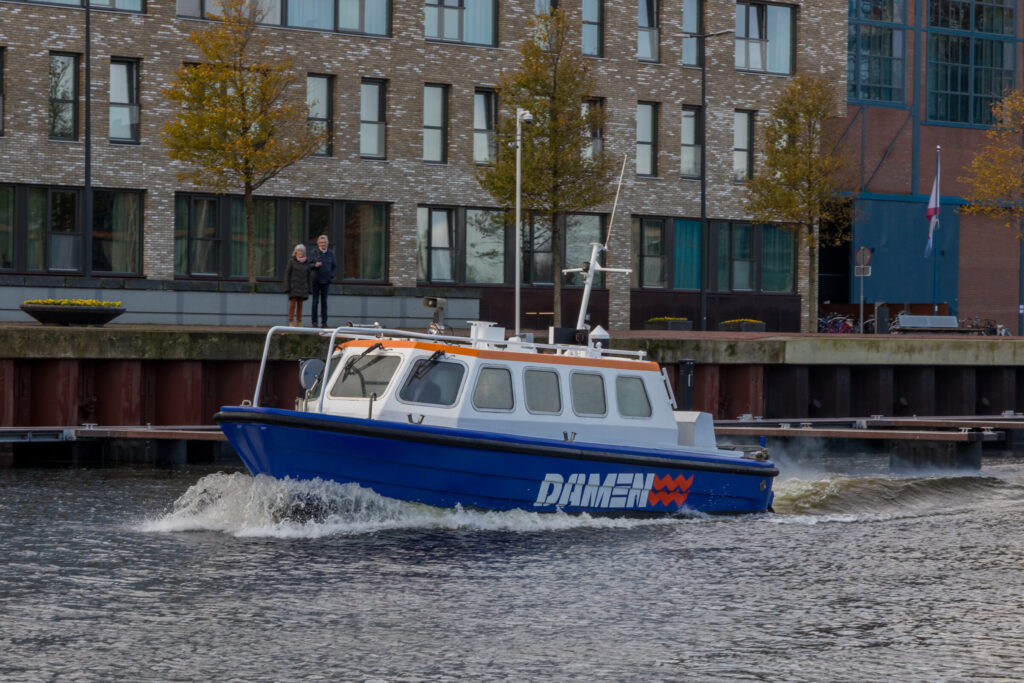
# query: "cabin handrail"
[346,332]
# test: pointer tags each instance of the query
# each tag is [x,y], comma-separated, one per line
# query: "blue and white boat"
[500,424]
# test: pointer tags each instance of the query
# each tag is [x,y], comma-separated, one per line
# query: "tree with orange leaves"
[996,180]
[242,117]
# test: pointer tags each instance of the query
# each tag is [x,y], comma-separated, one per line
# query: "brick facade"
[29,32]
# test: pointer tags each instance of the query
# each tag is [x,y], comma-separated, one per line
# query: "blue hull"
[448,467]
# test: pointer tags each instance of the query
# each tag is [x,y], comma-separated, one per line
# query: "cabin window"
[542,393]
[493,389]
[588,394]
[365,375]
[632,397]
[433,381]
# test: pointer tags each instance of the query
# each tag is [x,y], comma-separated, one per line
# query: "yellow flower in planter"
[73,302]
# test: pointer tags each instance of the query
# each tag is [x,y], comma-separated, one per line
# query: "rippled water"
[197,575]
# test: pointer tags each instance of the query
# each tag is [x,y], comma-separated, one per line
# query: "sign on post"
[862,269]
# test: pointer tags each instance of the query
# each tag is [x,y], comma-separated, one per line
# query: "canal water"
[141,575]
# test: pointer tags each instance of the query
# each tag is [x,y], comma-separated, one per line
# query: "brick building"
[407,92]
[922,74]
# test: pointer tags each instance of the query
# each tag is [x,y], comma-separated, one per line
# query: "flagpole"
[935,263]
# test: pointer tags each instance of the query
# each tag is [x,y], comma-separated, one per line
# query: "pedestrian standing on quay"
[298,280]
[324,266]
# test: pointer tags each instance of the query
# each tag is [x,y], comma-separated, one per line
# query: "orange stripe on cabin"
[487,354]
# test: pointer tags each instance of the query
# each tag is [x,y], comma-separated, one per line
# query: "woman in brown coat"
[297,278]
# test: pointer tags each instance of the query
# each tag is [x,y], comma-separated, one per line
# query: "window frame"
[721,253]
[511,387]
[460,8]
[599,28]
[411,370]
[490,106]
[55,101]
[451,213]
[670,230]
[140,238]
[652,143]
[652,31]
[442,127]
[647,398]
[643,256]
[977,114]
[698,140]
[133,67]
[748,151]
[596,143]
[381,120]
[693,38]
[765,40]
[558,386]
[325,122]
[388,17]
[572,393]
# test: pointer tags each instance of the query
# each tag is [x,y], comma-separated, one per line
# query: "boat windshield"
[365,375]
[433,381]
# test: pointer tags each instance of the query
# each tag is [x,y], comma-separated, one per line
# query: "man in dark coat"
[324,266]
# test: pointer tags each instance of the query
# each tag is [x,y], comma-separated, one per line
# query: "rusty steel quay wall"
[174,375]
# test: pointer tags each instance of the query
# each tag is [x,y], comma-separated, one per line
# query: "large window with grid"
[764,37]
[876,50]
[461,21]
[745,258]
[971,63]
[372,17]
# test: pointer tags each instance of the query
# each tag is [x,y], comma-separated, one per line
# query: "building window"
[116,232]
[777,254]
[371,120]
[649,259]
[752,258]
[264,232]
[63,96]
[593,27]
[435,233]
[486,233]
[364,243]
[764,37]
[196,243]
[691,138]
[647,31]
[544,6]
[1,92]
[6,227]
[581,230]
[319,99]
[124,100]
[54,236]
[435,123]
[311,14]
[968,71]
[364,16]
[743,146]
[595,143]
[693,28]
[875,63]
[686,254]
[462,21]
[126,5]
[485,108]
[647,139]
[537,260]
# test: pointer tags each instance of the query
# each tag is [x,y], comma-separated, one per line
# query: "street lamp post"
[522,115]
[704,231]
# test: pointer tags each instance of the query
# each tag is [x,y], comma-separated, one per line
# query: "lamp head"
[526,117]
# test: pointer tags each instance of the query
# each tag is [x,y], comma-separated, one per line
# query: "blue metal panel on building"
[896,233]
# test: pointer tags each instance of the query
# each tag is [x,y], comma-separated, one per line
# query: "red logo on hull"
[669,490]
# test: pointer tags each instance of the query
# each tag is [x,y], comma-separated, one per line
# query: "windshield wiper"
[428,364]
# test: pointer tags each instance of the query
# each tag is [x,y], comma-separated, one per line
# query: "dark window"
[647,139]
[124,100]
[581,230]
[647,31]
[764,37]
[966,76]
[693,28]
[593,27]
[264,232]
[691,136]
[485,110]
[433,381]
[485,246]
[743,146]
[6,227]
[777,258]
[435,236]
[875,63]
[365,375]
[1,92]
[54,237]
[666,251]
[463,21]
[752,258]
[116,232]
[596,142]
[364,249]
[537,260]
[435,123]
[63,96]
[371,120]
[319,100]
[462,245]
[649,268]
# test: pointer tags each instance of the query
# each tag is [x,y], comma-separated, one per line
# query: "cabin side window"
[433,381]
[588,394]
[365,375]
[632,397]
[493,389]
[542,392]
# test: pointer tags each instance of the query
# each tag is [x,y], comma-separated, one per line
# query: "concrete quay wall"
[173,375]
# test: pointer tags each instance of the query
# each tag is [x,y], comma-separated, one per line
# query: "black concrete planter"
[741,326]
[677,325]
[72,315]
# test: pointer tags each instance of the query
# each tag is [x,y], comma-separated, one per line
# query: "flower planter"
[72,315]
[677,325]
[741,326]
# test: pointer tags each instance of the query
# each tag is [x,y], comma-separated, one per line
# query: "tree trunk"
[250,236]
[805,278]
[812,275]
[556,268]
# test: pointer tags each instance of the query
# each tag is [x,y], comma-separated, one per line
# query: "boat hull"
[447,467]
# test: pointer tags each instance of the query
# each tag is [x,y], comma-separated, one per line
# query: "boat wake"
[247,506]
[881,498]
